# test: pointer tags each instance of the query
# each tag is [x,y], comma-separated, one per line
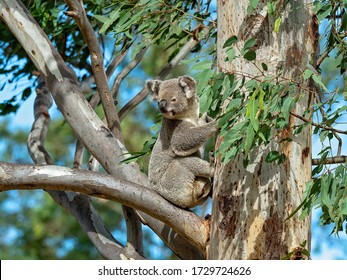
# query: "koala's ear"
[188,85]
[153,87]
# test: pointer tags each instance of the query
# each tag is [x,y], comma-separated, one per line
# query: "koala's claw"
[206,118]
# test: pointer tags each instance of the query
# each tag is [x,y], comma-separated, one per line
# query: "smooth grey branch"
[50,177]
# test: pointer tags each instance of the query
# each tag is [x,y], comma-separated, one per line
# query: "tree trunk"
[250,204]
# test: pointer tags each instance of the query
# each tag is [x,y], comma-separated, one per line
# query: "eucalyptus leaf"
[249,44]
[231,41]
[248,142]
[252,110]
[277,24]
[251,55]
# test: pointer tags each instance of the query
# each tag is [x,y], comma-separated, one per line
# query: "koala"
[176,168]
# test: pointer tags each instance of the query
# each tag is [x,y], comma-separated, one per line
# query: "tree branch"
[117,60]
[107,101]
[319,125]
[79,14]
[29,177]
[323,56]
[78,205]
[126,70]
[329,160]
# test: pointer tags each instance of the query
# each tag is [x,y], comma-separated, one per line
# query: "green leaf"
[7,108]
[134,157]
[323,135]
[325,183]
[277,24]
[296,210]
[232,40]
[232,137]
[270,8]
[303,244]
[254,3]
[343,206]
[319,82]
[307,74]
[261,99]
[26,93]
[203,65]
[324,11]
[252,110]
[264,66]
[287,106]
[113,17]
[251,55]
[230,154]
[249,139]
[100,18]
[275,156]
[231,53]
[249,44]
[344,22]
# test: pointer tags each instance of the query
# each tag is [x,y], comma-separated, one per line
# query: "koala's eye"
[174,99]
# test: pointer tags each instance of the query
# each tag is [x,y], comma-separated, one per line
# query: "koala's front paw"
[206,119]
[203,118]
[209,119]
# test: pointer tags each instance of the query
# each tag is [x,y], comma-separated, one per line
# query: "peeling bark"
[250,204]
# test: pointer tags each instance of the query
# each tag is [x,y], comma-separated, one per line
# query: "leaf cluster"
[251,110]
[164,23]
[328,192]
[333,14]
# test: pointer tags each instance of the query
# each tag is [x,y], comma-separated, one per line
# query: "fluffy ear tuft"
[153,87]
[188,85]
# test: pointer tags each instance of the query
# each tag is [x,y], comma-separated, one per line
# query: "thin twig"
[339,147]
[132,103]
[77,162]
[117,60]
[319,125]
[323,56]
[126,70]
[329,160]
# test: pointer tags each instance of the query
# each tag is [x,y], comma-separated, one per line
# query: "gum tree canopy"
[259,71]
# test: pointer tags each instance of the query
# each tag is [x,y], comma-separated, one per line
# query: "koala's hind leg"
[181,186]
[198,166]
[202,189]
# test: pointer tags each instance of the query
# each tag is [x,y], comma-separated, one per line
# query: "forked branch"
[78,205]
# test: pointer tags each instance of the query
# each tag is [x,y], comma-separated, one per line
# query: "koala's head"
[177,98]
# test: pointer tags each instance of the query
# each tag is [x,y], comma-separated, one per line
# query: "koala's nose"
[162,104]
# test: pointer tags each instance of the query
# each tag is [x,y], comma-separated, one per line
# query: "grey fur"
[176,169]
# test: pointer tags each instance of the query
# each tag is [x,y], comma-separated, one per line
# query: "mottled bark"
[250,204]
